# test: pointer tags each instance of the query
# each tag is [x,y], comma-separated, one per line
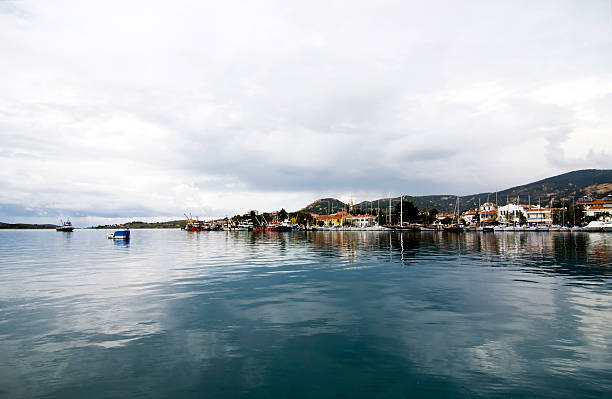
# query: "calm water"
[358,315]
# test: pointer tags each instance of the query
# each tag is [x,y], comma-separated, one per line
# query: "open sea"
[173,314]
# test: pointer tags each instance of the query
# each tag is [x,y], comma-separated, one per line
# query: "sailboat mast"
[401,210]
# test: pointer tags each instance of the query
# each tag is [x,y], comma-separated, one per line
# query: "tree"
[410,212]
[282,214]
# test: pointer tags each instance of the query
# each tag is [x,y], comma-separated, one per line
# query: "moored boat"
[595,225]
[120,235]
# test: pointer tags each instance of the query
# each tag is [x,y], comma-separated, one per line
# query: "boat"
[595,225]
[65,226]
[555,228]
[120,235]
[277,226]
[196,224]
[607,226]
[244,226]
[542,228]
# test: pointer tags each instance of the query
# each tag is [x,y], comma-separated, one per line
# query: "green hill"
[325,206]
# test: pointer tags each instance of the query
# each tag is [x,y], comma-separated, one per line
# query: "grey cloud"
[295,98]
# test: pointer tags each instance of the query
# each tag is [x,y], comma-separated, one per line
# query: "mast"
[574,211]
[389,208]
[401,210]
[562,212]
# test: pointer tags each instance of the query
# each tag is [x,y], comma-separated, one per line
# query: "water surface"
[323,314]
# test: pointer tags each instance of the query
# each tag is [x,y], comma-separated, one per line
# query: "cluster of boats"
[286,226]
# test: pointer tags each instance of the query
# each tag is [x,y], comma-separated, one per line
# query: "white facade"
[511,213]
[537,215]
[361,220]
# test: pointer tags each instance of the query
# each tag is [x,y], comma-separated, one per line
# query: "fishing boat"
[196,224]
[277,226]
[65,226]
[120,235]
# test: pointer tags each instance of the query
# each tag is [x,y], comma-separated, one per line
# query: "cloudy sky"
[143,109]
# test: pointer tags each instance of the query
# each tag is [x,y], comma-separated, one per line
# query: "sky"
[144,110]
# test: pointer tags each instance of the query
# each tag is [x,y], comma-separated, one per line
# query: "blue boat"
[120,235]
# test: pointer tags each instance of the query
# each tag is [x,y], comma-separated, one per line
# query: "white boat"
[607,226]
[576,228]
[542,228]
[595,225]
[555,228]
[509,228]
[499,228]
[244,226]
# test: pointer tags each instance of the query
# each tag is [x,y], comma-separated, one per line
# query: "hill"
[593,182]
[25,226]
[324,206]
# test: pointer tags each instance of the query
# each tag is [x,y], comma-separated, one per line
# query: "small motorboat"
[120,235]
[65,226]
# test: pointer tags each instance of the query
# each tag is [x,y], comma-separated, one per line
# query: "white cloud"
[151,108]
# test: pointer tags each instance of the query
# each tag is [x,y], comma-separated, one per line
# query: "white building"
[598,207]
[361,221]
[537,215]
[511,213]
[488,212]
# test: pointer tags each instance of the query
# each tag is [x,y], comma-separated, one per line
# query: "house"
[488,213]
[538,215]
[361,220]
[596,207]
[470,216]
[335,219]
[511,213]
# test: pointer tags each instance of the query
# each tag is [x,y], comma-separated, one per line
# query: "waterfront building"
[538,215]
[361,221]
[511,213]
[470,216]
[335,219]
[488,213]
[596,207]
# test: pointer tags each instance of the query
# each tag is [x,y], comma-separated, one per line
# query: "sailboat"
[455,228]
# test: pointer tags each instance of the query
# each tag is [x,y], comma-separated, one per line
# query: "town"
[585,214]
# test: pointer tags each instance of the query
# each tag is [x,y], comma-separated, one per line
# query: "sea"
[175,314]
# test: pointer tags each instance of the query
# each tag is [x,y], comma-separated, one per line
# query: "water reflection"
[229,314]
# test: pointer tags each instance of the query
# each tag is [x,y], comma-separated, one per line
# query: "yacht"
[595,225]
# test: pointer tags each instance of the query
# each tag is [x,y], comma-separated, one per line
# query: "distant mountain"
[593,182]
